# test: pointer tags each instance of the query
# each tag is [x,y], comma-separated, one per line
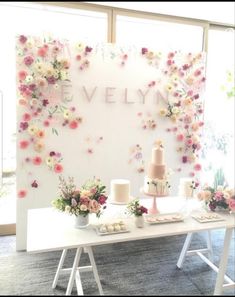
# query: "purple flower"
[52,154]
[45,102]
[51,80]
[32,87]
[88,49]
[22,39]
[74,202]
[144,50]
[24,125]
[184,159]
[28,60]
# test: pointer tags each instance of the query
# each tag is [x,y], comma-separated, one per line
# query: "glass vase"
[81,221]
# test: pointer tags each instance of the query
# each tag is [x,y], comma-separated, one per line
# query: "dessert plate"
[207,217]
[164,218]
[110,229]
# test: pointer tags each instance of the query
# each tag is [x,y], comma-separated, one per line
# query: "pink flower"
[26,117]
[28,60]
[218,196]
[42,51]
[37,160]
[24,144]
[102,199]
[197,167]
[189,141]
[180,137]
[22,39]
[187,119]
[232,203]
[197,72]
[22,193]
[74,202]
[78,57]
[58,168]
[22,74]
[73,124]
[46,123]
[94,206]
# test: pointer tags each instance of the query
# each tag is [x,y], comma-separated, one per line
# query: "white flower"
[63,75]
[29,79]
[56,86]
[67,208]
[83,207]
[175,110]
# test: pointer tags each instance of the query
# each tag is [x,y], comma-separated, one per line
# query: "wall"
[89,110]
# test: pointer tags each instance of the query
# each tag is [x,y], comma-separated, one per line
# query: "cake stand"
[153,210]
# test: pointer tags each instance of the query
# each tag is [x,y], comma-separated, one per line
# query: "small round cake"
[185,187]
[120,191]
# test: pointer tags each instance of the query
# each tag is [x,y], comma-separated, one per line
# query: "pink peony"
[180,137]
[73,124]
[37,160]
[58,168]
[22,193]
[24,144]
[197,167]
[28,60]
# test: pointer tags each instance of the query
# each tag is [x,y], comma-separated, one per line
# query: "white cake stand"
[153,210]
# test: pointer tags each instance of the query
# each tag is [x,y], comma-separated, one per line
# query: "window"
[159,34]
[218,146]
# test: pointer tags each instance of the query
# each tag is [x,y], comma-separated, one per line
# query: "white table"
[50,230]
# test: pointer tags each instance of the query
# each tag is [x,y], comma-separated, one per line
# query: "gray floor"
[144,267]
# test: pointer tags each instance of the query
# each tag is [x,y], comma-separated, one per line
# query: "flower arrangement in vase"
[220,198]
[134,208]
[90,198]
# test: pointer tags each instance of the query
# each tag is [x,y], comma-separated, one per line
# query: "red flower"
[102,199]
[58,168]
[22,193]
[73,124]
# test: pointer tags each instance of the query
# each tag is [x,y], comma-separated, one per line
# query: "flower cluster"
[135,208]
[219,198]
[90,198]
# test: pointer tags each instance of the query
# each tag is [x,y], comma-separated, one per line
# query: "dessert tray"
[207,217]
[164,218]
[111,228]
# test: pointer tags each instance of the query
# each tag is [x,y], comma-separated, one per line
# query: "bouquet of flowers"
[90,198]
[134,208]
[218,198]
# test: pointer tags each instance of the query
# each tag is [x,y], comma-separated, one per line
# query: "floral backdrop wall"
[89,110]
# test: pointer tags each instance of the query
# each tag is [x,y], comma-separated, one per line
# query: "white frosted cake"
[186,187]
[156,182]
[120,191]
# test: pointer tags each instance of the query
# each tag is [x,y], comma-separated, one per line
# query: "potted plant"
[134,208]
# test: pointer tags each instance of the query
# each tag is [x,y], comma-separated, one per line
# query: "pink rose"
[22,39]
[42,51]
[28,60]
[94,206]
[26,117]
[37,160]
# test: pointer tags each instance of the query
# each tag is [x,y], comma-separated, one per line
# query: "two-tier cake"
[156,182]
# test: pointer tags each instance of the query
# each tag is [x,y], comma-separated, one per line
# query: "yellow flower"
[169,87]
[187,101]
[39,146]
[67,114]
[32,130]
[79,46]
[150,55]
[50,161]
[189,81]
[163,112]
[173,118]
[85,193]
[175,110]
